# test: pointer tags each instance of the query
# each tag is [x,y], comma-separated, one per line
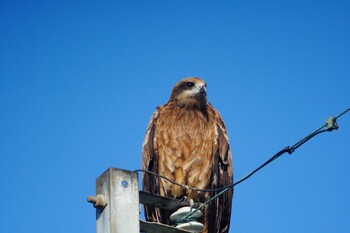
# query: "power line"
[330,125]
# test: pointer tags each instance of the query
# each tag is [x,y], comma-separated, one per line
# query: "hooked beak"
[202,91]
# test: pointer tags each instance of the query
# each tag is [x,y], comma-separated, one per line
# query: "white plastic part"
[192,225]
[184,211]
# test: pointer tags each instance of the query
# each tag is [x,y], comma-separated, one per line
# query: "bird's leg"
[191,201]
[184,198]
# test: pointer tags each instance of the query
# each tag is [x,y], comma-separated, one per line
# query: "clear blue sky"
[79,81]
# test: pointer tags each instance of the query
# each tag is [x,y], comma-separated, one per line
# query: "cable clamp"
[288,149]
[331,123]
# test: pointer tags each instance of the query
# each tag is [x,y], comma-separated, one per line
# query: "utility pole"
[117,204]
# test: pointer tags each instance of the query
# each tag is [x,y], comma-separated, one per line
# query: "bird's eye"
[190,84]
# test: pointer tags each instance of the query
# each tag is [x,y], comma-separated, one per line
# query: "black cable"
[330,125]
[176,183]
[287,149]
[342,113]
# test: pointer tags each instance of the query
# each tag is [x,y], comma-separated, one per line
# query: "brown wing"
[150,183]
[220,208]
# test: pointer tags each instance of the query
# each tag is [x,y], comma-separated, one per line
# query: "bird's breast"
[185,143]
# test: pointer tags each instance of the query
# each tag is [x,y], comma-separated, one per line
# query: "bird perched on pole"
[186,141]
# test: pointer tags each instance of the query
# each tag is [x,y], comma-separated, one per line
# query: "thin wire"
[176,183]
[221,191]
[287,149]
[342,113]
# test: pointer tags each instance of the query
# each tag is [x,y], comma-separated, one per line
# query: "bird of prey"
[186,141]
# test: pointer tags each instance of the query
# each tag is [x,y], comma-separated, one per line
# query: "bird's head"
[190,92]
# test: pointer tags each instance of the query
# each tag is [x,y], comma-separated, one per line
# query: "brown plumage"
[186,141]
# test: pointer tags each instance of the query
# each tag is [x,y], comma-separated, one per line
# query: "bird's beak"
[202,91]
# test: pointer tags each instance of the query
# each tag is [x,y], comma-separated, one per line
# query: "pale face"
[191,91]
[195,88]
